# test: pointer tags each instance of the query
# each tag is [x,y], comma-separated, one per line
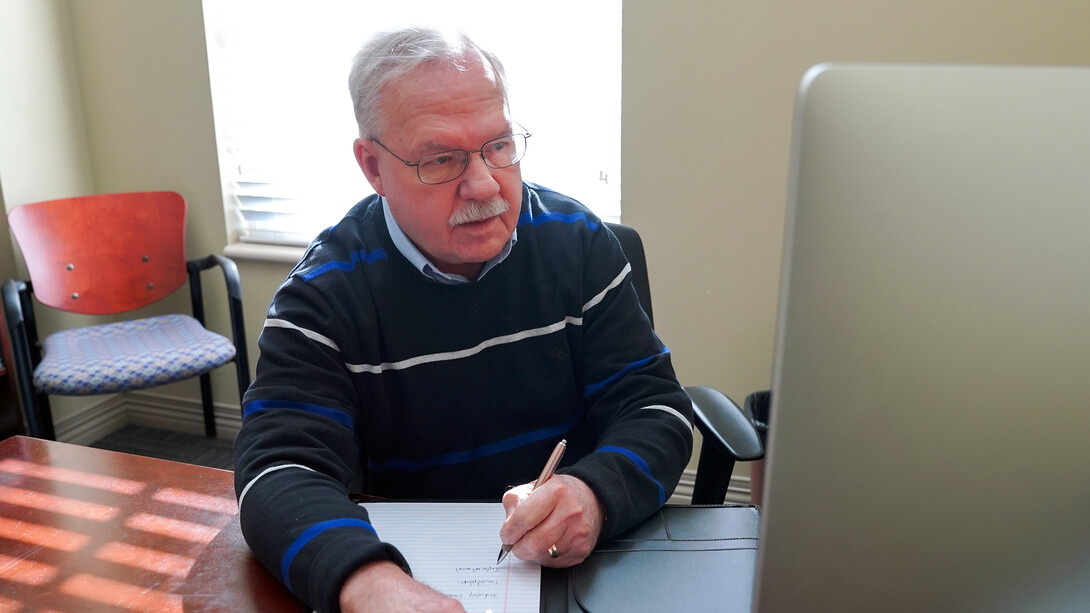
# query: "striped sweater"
[375,379]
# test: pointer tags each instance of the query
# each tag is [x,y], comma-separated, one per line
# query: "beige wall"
[43,147]
[43,142]
[708,93]
[708,96]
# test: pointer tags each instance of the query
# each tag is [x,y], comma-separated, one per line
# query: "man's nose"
[477,183]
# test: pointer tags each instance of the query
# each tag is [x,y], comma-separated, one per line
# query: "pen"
[546,474]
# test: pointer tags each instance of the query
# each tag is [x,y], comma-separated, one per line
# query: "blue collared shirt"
[421,262]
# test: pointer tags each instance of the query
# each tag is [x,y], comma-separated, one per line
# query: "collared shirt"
[421,262]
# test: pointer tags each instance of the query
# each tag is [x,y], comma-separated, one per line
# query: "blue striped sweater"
[374,379]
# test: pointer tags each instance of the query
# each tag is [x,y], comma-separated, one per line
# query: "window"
[285,122]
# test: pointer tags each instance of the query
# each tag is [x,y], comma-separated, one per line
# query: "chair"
[730,434]
[106,255]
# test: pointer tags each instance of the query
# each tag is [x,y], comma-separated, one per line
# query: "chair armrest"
[13,308]
[721,420]
[20,329]
[729,436]
[230,272]
[234,307]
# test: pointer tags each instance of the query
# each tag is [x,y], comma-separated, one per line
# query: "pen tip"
[503,554]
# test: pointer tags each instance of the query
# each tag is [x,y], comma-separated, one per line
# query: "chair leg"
[39,417]
[206,402]
[242,372]
[713,473]
[37,413]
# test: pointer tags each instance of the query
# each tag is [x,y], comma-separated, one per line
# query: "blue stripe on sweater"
[357,257]
[596,387]
[462,457]
[640,463]
[261,405]
[309,535]
[537,220]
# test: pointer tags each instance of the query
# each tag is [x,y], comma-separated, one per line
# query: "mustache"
[478,210]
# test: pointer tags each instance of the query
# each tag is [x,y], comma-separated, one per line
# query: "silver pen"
[546,474]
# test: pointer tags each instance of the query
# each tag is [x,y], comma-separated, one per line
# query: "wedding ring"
[554,552]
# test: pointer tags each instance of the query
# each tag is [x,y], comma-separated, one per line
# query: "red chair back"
[103,254]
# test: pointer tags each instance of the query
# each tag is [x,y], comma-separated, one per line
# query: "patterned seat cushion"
[129,355]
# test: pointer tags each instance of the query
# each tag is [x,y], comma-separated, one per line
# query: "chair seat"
[129,355]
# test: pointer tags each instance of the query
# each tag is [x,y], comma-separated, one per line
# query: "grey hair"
[396,53]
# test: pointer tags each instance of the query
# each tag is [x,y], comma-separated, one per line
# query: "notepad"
[452,546]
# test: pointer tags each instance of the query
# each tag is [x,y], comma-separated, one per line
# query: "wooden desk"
[84,529]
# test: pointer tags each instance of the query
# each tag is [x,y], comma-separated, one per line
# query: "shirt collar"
[421,262]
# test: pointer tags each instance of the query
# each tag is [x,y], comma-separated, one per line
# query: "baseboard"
[145,409]
[93,422]
[181,415]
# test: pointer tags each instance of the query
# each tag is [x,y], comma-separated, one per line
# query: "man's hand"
[563,513]
[383,587]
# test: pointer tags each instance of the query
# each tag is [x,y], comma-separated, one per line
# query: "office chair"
[107,255]
[730,434]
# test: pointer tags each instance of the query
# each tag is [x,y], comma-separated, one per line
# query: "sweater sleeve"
[635,402]
[296,455]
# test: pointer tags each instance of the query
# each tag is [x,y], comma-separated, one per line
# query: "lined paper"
[452,546]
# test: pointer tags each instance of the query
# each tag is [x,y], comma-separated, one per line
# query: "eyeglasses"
[447,166]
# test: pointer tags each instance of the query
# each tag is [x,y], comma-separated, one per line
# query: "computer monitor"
[930,432]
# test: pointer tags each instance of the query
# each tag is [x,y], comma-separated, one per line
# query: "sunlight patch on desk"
[204,502]
[57,504]
[174,528]
[146,559]
[123,595]
[42,536]
[75,477]
[27,572]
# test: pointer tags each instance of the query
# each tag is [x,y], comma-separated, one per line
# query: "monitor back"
[930,435]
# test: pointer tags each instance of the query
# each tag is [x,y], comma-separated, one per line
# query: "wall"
[44,150]
[43,144]
[708,96]
[707,102]
[711,87]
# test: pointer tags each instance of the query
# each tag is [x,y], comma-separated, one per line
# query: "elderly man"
[439,341]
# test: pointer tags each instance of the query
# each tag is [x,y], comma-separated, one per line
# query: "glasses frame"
[524,134]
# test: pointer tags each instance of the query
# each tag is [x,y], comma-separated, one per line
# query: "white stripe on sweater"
[602,294]
[311,334]
[463,353]
[268,470]
[672,411]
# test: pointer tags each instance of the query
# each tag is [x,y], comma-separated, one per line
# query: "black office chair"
[730,433]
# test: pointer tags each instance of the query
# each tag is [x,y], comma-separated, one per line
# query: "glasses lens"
[504,152]
[442,167]
[449,165]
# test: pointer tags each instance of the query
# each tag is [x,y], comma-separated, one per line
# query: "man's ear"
[366,156]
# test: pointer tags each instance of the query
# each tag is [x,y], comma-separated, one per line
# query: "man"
[438,342]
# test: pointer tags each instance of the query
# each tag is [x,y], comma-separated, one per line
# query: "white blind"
[285,122]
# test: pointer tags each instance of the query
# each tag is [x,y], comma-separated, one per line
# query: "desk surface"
[84,529]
